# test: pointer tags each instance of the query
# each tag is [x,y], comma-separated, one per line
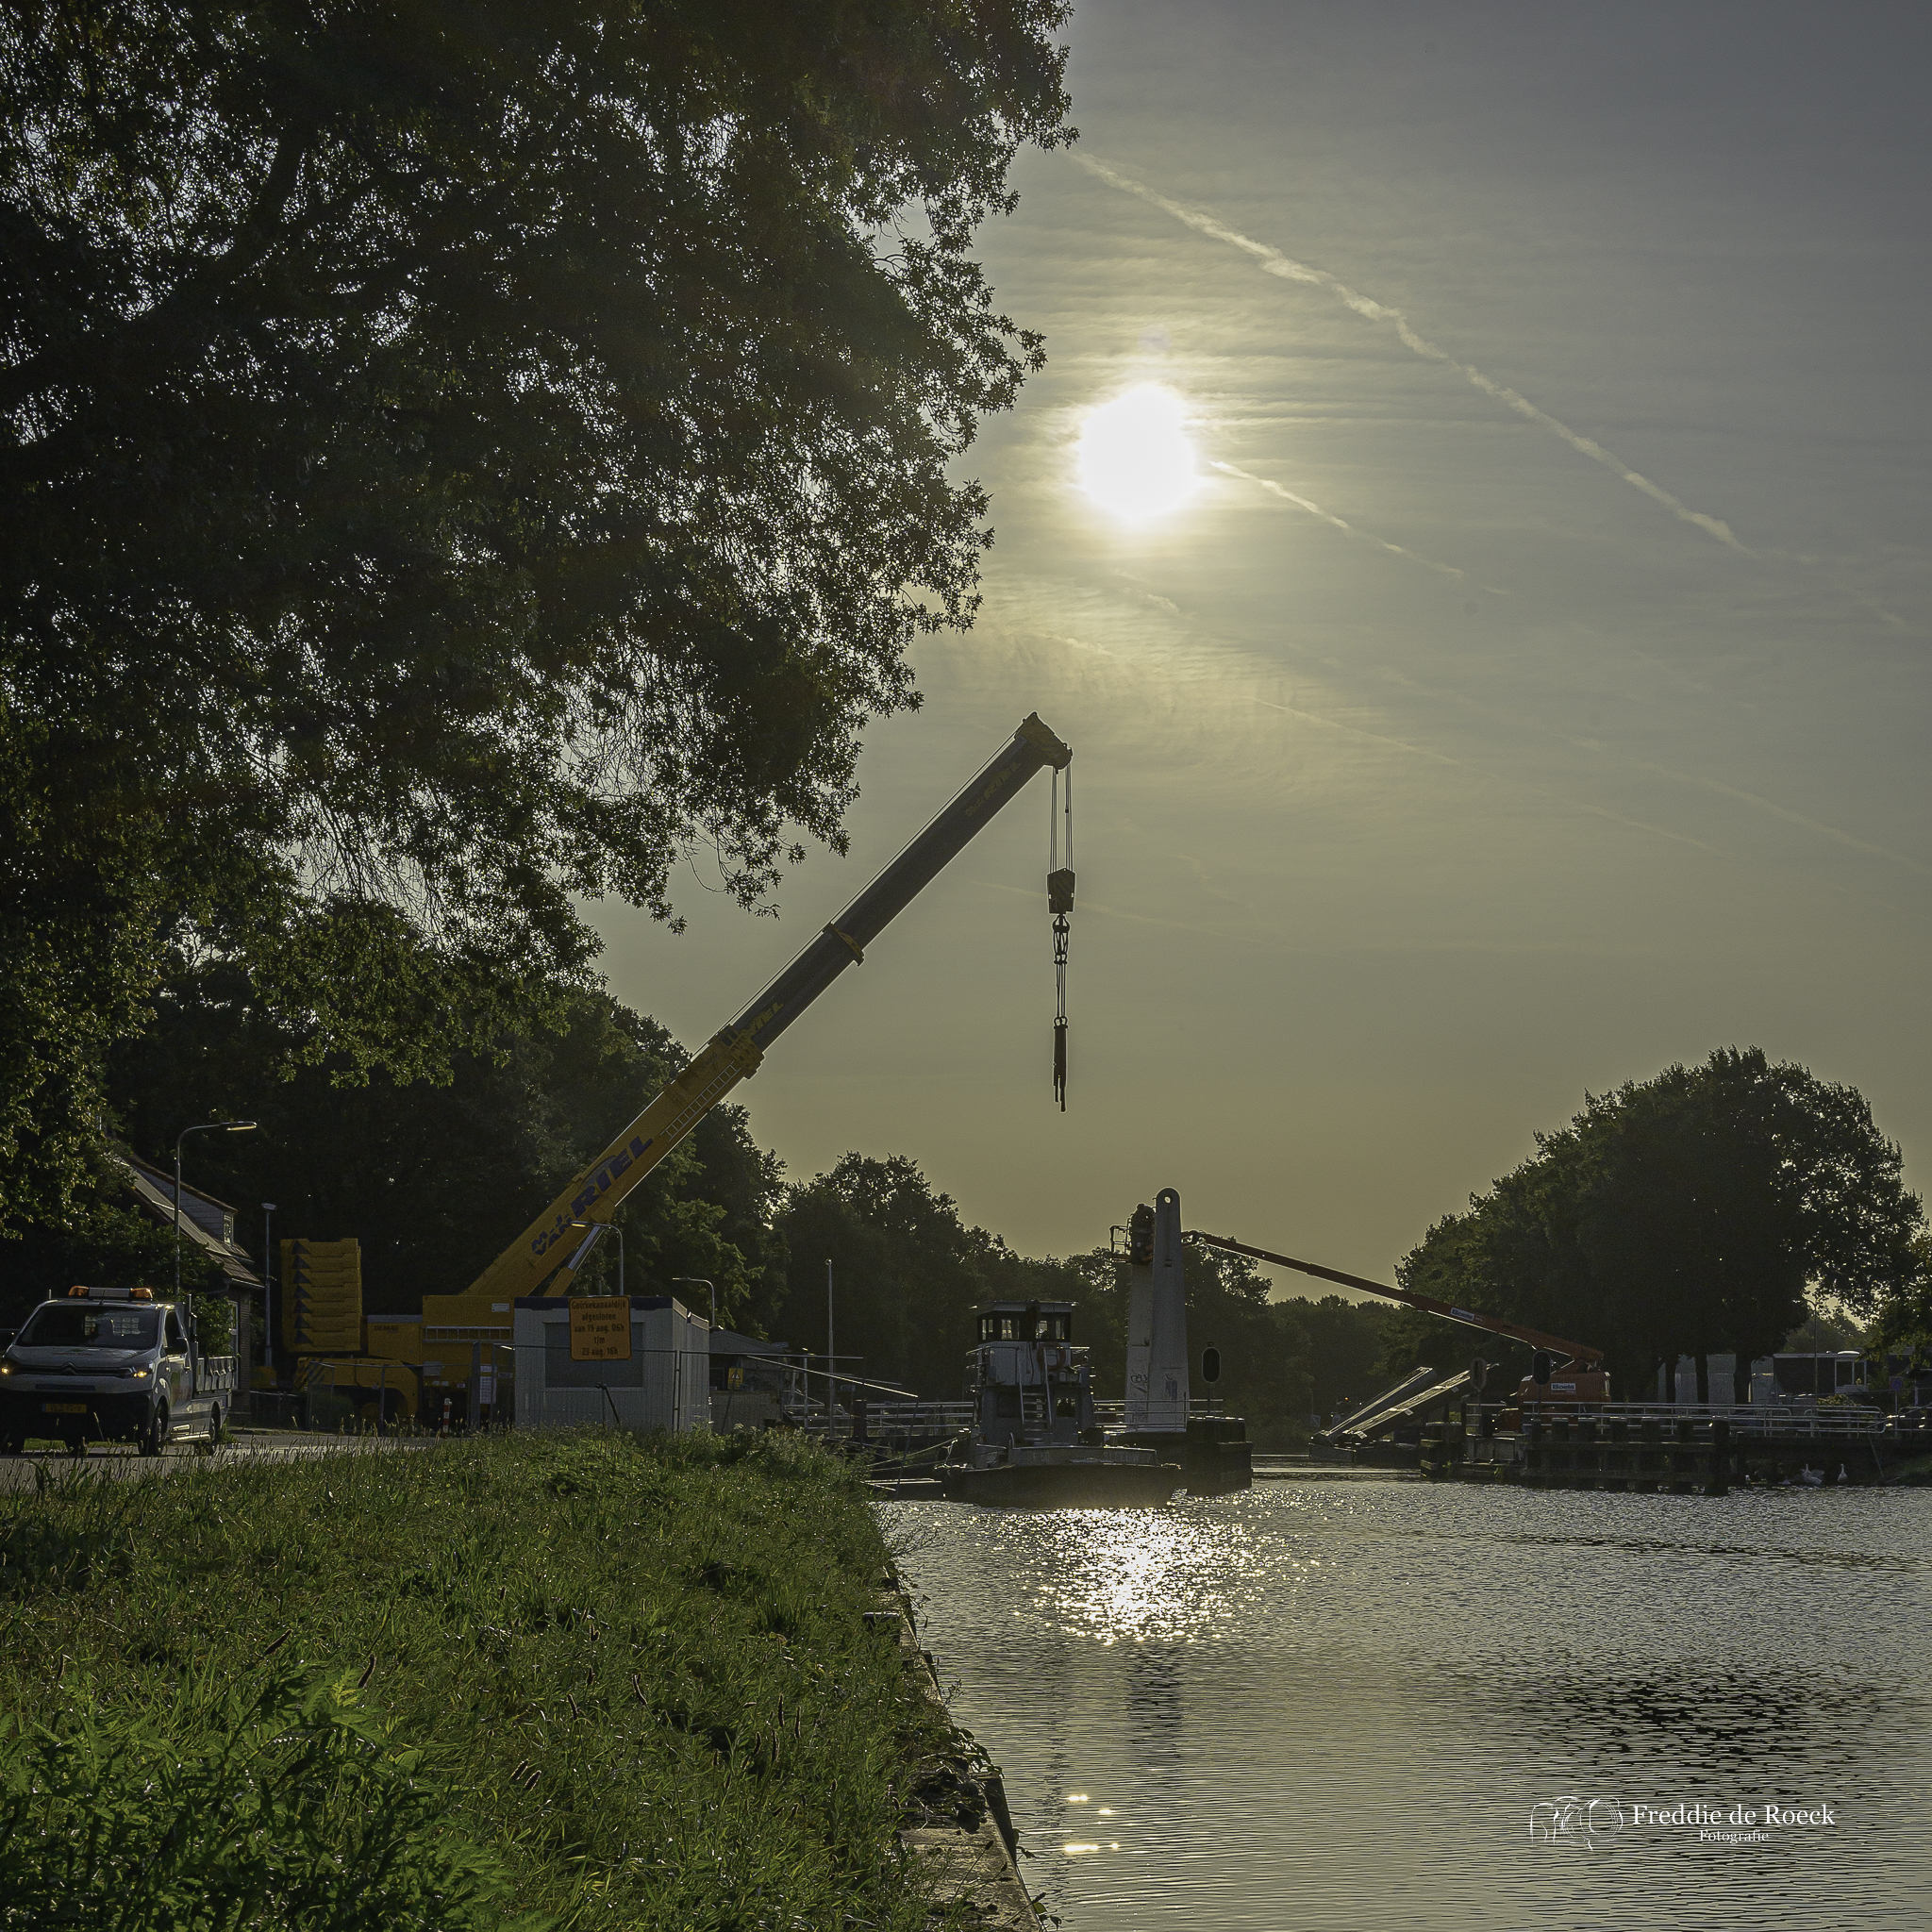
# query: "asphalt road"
[114,1460]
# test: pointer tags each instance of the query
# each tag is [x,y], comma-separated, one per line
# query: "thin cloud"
[1440,694]
[1272,261]
[1849,839]
[1423,751]
[1348,529]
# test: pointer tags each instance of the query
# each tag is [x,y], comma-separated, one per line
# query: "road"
[17,1472]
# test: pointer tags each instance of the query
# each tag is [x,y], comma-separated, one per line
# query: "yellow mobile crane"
[545,1258]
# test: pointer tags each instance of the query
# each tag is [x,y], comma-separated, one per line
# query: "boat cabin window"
[1010,1326]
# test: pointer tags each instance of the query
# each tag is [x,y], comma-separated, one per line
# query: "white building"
[663,1383]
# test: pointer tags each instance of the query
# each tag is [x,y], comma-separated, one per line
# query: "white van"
[111,1364]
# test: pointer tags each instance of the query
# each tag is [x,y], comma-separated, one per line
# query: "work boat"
[1033,1444]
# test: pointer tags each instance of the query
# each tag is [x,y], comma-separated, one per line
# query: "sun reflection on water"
[1346,1699]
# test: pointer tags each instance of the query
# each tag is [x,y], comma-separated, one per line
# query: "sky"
[1531,691]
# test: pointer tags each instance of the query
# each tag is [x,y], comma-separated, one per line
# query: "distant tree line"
[1717,1209]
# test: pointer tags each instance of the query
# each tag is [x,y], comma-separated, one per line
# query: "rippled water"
[1336,1703]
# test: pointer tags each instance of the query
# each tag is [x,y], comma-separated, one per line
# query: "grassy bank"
[607,1684]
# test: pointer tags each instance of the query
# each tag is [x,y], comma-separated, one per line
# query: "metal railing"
[1744,1419]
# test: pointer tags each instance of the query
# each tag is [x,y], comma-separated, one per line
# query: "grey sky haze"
[1382,867]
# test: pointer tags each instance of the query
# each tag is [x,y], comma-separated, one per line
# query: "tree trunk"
[1704,1378]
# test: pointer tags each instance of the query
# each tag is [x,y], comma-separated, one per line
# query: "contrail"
[1315,509]
[1276,263]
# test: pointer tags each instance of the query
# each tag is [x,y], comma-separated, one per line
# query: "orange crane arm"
[1493,1324]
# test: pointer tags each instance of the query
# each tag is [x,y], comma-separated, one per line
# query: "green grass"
[610,1683]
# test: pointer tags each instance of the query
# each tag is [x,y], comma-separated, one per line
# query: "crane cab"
[1567,1382]
[1025,1378]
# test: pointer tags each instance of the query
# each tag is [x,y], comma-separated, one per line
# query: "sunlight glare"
[1135,459]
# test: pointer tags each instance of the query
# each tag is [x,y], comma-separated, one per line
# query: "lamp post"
[698,1281]
[597,1227]
[831,1360]
[268,1289]
[209,1127]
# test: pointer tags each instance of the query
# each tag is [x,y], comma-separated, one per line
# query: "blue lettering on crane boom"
[600,1184]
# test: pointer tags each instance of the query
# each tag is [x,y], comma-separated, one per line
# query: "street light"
[268,1289]
[209,1127]
[597,1227]
[698,1281]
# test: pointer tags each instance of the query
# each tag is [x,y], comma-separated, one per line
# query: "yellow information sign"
[599,1329]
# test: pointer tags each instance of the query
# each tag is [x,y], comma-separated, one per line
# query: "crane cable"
[1060,902]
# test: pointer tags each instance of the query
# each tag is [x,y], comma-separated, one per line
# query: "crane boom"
[1493,1324]
[546,1257]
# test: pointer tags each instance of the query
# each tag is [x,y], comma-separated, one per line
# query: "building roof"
[728,1341]
[155,1192]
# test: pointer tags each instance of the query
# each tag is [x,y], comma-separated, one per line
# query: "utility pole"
[268,1288]
[831,1359]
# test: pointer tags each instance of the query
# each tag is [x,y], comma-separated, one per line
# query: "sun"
[1135,457]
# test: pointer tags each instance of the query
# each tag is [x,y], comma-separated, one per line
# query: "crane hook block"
[1059,892]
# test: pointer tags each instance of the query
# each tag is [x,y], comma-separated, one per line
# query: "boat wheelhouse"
[1034,1443]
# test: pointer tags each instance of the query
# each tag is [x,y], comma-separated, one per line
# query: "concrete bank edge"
[977,1868]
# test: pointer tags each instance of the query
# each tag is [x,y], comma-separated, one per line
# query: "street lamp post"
[596,1227]
[698,1281]
[831,1360]
[209,1127]
[268,1289]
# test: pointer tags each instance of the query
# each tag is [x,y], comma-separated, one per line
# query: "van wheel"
[156,1431]
[12,1445]
[214,1432]
[76,1445]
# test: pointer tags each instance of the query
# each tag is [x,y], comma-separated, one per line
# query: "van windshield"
[80,1325]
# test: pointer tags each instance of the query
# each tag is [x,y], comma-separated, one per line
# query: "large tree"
[1688,1214]
[460,455]
[434,1179]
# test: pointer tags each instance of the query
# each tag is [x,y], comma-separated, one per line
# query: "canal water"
[1385,1705]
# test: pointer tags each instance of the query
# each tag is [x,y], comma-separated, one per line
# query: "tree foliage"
[433,1180]
[458,459]
[1689,1214]
[907,1272]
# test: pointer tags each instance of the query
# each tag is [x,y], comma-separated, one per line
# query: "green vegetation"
[463,456]
[433,1179]
[1687,1215]
[618,1685]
